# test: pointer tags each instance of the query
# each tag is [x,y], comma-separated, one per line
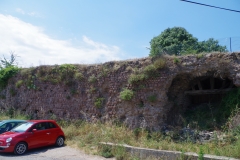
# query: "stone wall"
[75,98]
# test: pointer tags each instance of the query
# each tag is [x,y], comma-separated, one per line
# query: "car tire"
[20,148]
[59,141]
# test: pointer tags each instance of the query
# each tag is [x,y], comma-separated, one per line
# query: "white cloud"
[19,10]
[35,48]
[32,14]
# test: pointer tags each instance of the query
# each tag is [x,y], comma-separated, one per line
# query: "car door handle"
[48,133]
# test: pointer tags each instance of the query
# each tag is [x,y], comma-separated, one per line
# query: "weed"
[104,71]
[6,74]
[66,71]
[126,94]
[19,83]
[79,76]
[159,63]
[12,91]
[200,55]
[92,89]
[119,152]
[176,60]
[73,91]
[150,70]
[106,151]
[152,98]
[30,82]
[201,154]
[134,78]
[92,79]
[98,102]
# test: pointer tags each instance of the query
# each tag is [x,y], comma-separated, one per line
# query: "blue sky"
[49,32]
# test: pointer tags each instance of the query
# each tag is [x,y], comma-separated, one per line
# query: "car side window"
[3,126]
[51,125]
[40,126]
[6,127]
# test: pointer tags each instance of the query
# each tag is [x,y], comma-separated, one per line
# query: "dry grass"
[87,137]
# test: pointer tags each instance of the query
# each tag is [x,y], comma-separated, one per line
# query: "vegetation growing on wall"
[150,71]
[7,70]
[99,102]
[126,94]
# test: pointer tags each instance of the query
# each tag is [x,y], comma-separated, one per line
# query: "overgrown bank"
[87,136]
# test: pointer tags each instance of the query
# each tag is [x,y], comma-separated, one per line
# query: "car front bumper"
[9,148]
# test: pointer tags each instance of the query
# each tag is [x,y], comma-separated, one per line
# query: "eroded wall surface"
[43,99]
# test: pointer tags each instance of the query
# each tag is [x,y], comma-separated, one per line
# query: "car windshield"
[1,123]
[23,127]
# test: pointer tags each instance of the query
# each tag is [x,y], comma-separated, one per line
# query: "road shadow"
[31,151]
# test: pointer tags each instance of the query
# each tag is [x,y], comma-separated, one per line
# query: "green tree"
[210,45]
[172,41]
[177,41]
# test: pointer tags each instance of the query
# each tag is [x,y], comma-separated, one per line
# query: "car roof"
[12,120]
[36,121]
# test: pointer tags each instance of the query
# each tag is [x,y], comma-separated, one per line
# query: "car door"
[52,132]
[38,136]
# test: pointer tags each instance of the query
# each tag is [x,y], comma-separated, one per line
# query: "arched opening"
[208,90]
[197,100]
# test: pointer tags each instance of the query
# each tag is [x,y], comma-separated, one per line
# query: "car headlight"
[9,140]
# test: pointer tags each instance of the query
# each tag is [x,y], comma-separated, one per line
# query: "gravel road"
[52,153]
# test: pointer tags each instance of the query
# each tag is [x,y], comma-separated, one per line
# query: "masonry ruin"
[157,100]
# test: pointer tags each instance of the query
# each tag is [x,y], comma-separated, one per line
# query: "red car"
[31,134]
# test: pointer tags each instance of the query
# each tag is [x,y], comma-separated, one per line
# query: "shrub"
[200,55]
[106,151]
[136,78]
[126,94]
[78,76]
[92,79]
[92,89]
[66,71]
[150,70]
[159,63]
[176,60]
[99,102]
[6,74]
[152,98]
[19,83]
[229,104]
[12,91]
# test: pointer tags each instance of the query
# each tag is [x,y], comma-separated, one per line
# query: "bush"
[19,83]
[78,76]
[66,71]
[92,79]
[152,98]
[134,78]
[126,94]
[176,60]
[99,102]
[150,70]
[6,74]
[159,63]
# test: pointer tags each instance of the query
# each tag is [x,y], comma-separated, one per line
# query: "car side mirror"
[34,130]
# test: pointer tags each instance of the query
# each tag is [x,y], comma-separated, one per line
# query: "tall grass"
[87,136]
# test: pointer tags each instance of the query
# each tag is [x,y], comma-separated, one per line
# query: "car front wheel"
[60,142]
[20,148]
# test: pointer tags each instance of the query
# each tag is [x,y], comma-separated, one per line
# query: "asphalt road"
[52,153]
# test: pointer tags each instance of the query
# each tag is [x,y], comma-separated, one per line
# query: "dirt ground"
[53,153]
